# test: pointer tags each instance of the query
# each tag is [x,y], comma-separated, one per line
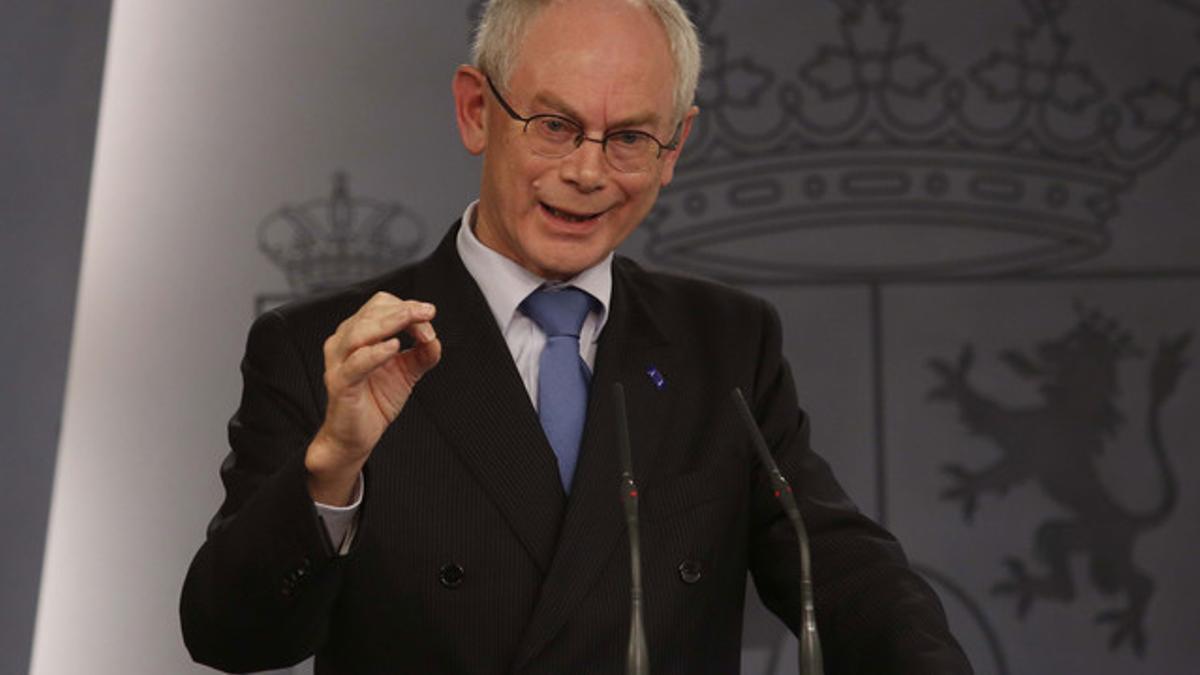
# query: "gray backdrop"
[51,59]
[976,218]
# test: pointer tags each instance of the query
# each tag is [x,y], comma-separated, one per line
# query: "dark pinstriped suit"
[465,477]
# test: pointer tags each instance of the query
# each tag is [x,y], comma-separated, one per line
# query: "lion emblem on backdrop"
[1057,445]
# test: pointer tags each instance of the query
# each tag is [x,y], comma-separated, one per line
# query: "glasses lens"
[552,136]
[631,151]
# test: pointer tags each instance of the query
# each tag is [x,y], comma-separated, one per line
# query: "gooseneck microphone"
[810,642]
[637,658]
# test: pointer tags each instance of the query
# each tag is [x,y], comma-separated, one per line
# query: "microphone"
[637,658]
[810,643]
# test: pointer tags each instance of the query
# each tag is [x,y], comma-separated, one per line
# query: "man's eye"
[628,138]
[555,126]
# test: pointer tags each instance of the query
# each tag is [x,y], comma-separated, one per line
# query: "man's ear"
[470,89]
[672,156]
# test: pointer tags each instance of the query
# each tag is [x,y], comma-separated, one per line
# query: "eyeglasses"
[555,136]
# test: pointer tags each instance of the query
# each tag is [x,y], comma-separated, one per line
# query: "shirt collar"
[505,284]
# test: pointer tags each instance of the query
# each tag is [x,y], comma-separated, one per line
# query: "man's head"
[502,26]
[606,66]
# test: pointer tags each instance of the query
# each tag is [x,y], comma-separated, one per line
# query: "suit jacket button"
[451,575]
[690,571]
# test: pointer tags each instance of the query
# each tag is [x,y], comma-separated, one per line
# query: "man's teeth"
[568,216]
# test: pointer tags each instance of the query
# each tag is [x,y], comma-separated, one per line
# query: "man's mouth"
[570,216]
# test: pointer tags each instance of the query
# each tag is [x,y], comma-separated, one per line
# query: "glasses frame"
[581,136]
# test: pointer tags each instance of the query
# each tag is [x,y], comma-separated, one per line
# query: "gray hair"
[502,26]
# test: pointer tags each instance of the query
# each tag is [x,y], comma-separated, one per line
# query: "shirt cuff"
[341,521]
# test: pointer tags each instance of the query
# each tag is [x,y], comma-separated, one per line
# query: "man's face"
[607,66]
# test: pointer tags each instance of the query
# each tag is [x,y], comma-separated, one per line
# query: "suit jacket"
[470,559]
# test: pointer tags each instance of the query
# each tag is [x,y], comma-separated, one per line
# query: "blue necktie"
[562,374]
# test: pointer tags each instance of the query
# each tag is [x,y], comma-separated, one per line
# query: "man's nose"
[586,167]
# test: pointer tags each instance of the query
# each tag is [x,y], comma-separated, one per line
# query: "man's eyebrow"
[561,106]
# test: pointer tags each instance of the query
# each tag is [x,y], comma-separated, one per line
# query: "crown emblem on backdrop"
[877,159]
[326,243]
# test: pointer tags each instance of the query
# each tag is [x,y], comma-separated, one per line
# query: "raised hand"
[368,380]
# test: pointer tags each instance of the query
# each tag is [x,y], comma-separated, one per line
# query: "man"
[436,503]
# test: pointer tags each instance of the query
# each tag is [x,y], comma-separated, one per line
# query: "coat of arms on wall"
[862,143]
[1056,444]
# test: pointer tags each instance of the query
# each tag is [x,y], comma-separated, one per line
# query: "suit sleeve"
[875,615]
[260,590]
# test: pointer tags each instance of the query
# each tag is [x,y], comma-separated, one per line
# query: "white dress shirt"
[504,284]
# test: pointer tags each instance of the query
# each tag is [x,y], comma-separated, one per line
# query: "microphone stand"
[810,643]
[637,658]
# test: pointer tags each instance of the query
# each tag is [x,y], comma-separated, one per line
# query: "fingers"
[382,317]
[368,339]
[381,323]
[409,364]
[417,361]
[422,332]
[362,362]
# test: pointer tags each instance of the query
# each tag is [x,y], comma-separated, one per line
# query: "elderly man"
[423,476]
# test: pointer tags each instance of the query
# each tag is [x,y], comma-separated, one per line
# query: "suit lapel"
[631,345]
[479,403]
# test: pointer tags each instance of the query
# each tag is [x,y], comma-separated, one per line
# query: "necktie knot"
[559,312]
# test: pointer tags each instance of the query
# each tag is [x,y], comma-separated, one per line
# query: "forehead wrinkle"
[625,82]
[551,101]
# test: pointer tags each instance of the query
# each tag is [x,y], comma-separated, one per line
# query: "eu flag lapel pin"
[656,377]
